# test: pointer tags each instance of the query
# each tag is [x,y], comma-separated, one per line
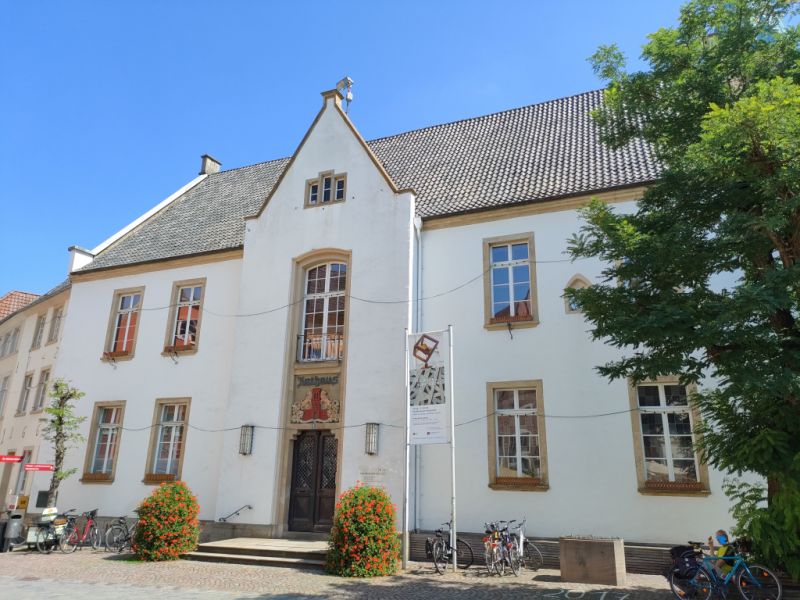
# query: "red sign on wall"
[10,458]
[35,467]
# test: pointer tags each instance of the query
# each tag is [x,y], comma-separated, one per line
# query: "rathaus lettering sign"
[316,399]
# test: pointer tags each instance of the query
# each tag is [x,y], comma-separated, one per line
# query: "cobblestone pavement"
[29,575]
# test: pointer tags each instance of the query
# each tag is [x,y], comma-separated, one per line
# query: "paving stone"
[29,575]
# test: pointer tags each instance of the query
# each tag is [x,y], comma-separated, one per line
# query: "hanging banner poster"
[429,393]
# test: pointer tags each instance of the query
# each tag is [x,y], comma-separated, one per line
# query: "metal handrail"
[235,513]
[312,347]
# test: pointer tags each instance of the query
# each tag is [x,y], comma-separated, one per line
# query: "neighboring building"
[277,296]
[29,342]
[13,301]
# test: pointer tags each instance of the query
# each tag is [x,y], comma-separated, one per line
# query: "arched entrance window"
[322,335]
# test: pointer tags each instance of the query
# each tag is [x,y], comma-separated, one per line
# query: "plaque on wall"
[316,399]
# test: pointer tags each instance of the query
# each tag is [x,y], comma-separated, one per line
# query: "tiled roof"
[13,301]
[527,154]
[530,154]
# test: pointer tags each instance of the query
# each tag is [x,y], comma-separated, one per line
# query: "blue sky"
[106,107]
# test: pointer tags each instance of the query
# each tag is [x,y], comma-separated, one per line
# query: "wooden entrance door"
[313,494]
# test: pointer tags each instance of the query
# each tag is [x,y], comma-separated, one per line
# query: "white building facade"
[29,348]
[243,335]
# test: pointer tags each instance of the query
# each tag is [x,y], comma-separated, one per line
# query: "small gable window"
[327,188]
[579,282]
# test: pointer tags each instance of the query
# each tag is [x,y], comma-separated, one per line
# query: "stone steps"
[291,553]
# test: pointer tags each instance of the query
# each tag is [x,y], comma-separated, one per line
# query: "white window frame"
[4,381]
[14,340]
[55,324]
[516,412]
[318,346]
[41,389]
[193,304]
[25,392]
[22,475]
[665,411]
[177,438]
[326,188]
[112,428]
[38,332]
[509,265]
[128,340]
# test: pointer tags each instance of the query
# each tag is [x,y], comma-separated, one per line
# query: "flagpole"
[453,535]
[407,474]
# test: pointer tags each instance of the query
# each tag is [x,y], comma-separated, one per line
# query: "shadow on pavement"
[472,584]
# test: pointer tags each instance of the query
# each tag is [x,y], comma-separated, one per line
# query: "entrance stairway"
[293,553]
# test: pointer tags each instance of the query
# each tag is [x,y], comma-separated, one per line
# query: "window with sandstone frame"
[516,436]
[510,282]
[103,442]
[168,440]
[663,422]
[183,334]
[326,188]
[323,320]
[124,323]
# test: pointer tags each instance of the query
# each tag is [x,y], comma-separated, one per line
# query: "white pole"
[408,459]
[453,535]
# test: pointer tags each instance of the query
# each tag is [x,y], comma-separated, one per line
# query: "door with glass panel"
[313,493]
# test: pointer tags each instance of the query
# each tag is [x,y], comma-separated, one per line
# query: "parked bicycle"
[119,536]
[441,552]
[494,547]
[693,575]
[509,549]
[73,537]
[529,553]
[50,528]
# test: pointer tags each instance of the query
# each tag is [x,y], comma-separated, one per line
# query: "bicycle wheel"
[758,583]
[499,561]
[464,555]
[514,560]
[45,540]
[488,558]
[116,538]
[439,557]
[95,539]
[69,540]
[532,557]
[698,587]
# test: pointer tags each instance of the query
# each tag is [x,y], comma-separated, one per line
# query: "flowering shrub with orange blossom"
[168,524]
[363,540]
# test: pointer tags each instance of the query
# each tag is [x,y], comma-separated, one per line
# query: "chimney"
[78,257]
[209,165]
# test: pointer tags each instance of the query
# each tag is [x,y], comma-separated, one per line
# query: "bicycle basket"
[684,561]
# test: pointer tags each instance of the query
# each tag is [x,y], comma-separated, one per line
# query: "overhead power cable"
[350,296]
[331,426]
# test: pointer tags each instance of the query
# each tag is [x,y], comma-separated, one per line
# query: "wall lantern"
[246,440]
[371,440]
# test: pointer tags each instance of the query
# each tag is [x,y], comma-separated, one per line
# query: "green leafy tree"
[703,277]
[62,431]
